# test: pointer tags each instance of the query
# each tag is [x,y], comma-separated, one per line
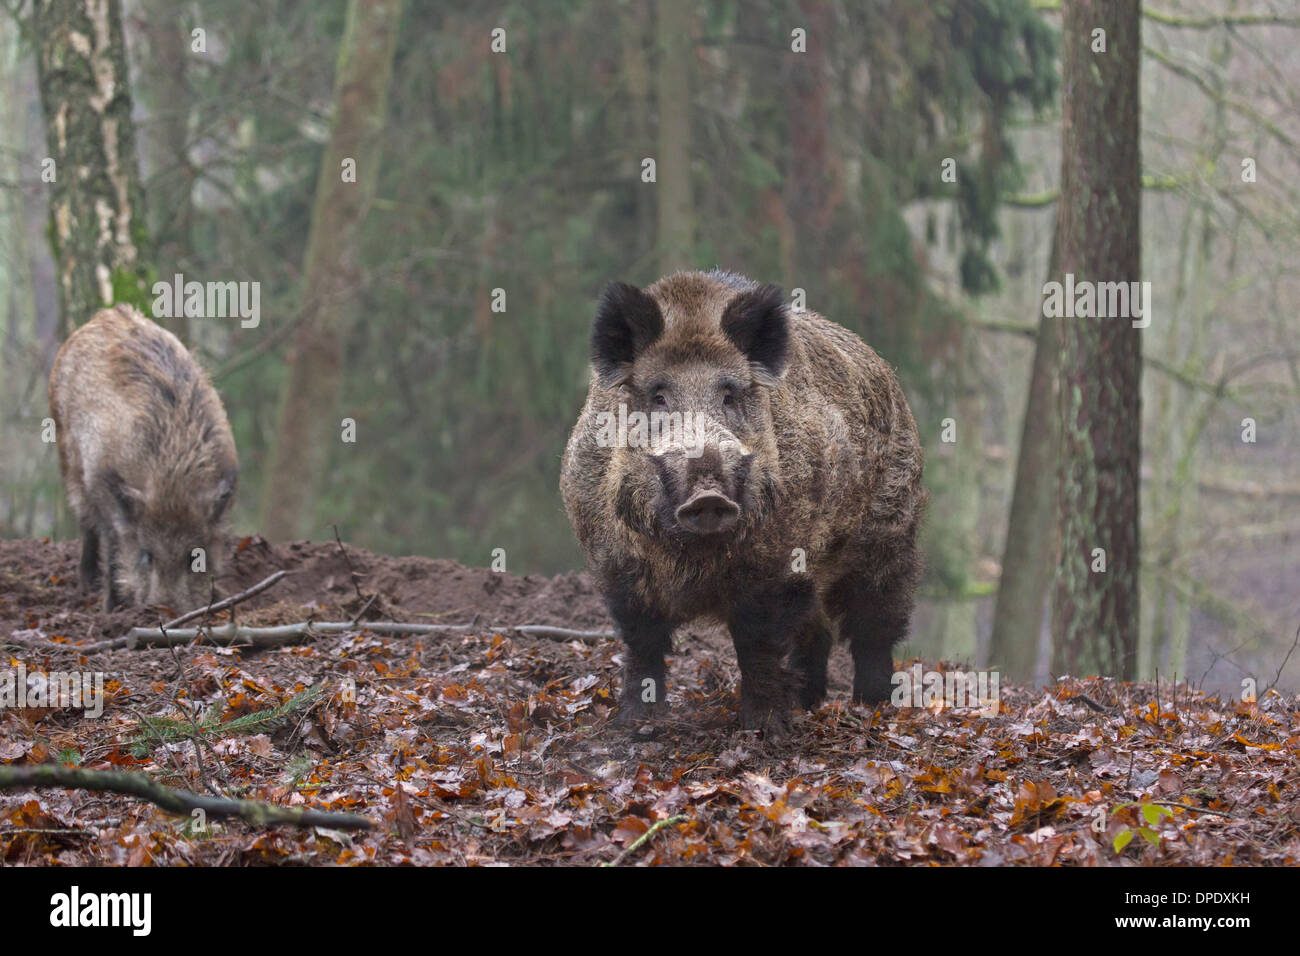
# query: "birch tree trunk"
[97,219]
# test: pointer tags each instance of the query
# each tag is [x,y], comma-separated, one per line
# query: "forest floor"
[488,746]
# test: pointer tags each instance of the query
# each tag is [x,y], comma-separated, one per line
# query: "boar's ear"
[225,491]
[627,320]
[129,501]
[758,323]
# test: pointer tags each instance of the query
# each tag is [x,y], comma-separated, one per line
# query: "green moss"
[52,235]
[131,287]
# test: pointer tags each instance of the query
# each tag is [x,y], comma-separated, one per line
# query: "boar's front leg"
[763,627]
[644,672]
[648,637]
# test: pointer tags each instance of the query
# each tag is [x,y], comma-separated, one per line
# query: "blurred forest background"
[902,169]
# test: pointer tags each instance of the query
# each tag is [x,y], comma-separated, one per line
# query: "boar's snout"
[704,489]
[708,512]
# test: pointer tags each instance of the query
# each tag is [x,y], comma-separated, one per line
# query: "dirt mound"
[416,587]
[38,585]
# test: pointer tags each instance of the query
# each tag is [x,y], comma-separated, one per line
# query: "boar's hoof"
[708,513]
[871,692]
[633,714]
[774,721]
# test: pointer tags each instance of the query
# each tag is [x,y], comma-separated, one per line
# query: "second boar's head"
[698,360]
[158,525]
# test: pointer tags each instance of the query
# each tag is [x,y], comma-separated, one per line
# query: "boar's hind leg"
[763,628]
[874,620]
[812,650]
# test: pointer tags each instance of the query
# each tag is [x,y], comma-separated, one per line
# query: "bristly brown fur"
[833,475]
[147,458]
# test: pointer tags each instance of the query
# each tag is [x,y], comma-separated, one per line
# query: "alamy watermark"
[73,690]
[916,688]
[208,300]
[638,429]
[75,908]
[1098,300]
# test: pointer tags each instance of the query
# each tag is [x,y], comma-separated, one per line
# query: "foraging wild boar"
[147,458]
[780,493]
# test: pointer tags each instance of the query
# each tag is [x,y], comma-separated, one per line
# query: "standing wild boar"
[782,498]
[147,458]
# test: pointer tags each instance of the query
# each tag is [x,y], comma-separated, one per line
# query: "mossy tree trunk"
[1096,612]
[97,219]
[331,282]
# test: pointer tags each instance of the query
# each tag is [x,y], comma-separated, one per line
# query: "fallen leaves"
[488,748]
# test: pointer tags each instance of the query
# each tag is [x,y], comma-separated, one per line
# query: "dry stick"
[263,637]
[180,802]
[230,601]
[1085,699]
[639,841]
[365,607]
[221,605]
[356,578]
[1191,809]
[1278,676]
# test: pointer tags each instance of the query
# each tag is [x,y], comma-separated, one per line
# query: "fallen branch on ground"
[231,601]
[645,837]
[221,605]
[264,637]
[180,802]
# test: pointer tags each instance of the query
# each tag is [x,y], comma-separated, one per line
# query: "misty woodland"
[801,432]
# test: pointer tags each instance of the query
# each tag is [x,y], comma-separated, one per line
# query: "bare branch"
[180,802]
[264,637]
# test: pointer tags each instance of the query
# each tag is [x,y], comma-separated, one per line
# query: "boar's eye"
[660,400]
[728,398]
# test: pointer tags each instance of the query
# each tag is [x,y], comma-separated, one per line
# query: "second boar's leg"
[763,628]
[88,570]
[108,569]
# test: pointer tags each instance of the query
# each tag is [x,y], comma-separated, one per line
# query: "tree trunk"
[165,152]
[635,28]
[331,275]
[673,164]
[812,164]
[1028,555]
[97,220]
[1095,612]
[15,305]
